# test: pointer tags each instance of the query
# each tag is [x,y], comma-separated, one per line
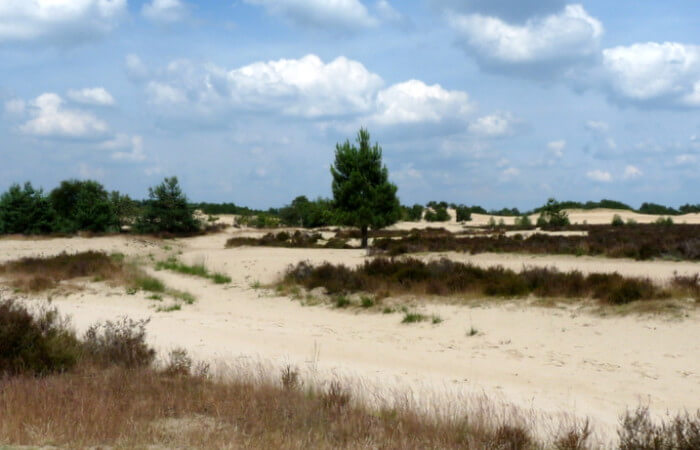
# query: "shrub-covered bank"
[635,241]
[449,278]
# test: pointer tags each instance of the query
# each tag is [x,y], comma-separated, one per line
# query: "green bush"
[413,214]
[308,214]
[523,221]
[617,221]
[464,213]
[552,214]
[83,206]
[664,221]
[437,214]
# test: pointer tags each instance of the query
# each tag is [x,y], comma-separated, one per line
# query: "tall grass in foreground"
[445,277]
[112,394]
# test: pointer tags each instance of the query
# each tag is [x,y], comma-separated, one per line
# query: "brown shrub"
[446,277]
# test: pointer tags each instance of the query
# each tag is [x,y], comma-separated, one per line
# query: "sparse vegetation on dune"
[38,274]
[449,278]
[35,274]
[638,241]
[616,241]
[111,393]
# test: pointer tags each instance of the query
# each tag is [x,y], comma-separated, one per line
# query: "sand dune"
[552,360]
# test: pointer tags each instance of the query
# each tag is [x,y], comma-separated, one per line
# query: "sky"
[499,103]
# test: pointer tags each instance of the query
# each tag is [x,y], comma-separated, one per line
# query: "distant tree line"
[85,205]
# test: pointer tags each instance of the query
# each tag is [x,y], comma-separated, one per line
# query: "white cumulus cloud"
[50,119]
[92,96]
[164,11]
[656,74]
[557,38]
[494,125]
[600,176]
[414,101]
[325,14]
[62,21]
[341,91]
[306,87]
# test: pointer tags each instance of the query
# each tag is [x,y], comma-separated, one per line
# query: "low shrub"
[639,432]
[38,343]
[121,343]
[640,242]
[42,342]
[446,277]
[38,274]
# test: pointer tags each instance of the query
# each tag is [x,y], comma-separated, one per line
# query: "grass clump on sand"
[198,270]
[413,317]
[445,277]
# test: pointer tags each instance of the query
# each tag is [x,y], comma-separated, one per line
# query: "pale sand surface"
[548,359]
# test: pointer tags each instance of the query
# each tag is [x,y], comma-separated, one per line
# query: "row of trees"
[77,205]
[363,197]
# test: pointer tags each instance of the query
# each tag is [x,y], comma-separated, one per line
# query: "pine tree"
[167,210]
[362,193]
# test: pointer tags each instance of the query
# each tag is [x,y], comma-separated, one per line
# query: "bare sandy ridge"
[550,360]
[599,216]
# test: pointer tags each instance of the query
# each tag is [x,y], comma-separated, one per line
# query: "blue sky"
[491,102]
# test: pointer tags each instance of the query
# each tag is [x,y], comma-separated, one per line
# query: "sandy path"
[552,360]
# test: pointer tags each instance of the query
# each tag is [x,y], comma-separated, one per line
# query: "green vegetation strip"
[197,270]
[445,277]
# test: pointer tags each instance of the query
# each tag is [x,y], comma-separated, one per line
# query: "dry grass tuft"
[39,274]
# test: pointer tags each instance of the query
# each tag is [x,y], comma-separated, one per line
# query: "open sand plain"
[549,361]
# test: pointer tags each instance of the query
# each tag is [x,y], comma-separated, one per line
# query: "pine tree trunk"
[364,236]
